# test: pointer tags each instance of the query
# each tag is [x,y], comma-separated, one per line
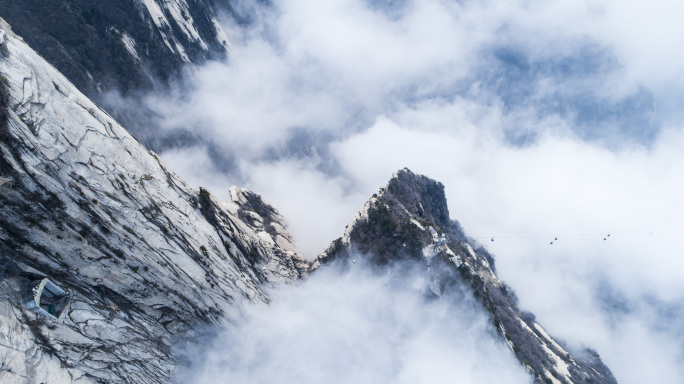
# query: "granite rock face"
[409,220]
[145,259]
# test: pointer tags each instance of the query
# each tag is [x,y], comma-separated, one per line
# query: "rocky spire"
[409,220]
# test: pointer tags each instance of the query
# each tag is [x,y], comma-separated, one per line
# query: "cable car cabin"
[46,298]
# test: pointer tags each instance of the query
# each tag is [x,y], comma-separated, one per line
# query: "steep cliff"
[144,258]
[409,220]
[123,44]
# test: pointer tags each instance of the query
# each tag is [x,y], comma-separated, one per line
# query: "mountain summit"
[408,219]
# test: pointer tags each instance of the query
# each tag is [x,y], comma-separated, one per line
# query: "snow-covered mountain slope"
[409,220]
[144,258]
[127,44]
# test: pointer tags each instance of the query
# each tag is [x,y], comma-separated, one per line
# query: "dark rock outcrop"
[409,219]
[125,44]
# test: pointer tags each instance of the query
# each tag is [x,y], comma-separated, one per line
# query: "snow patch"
[527,328]
[469,249]
[129,43]
[417,224]
[178,10]
[550,377]
[547,337]
[221,35]
[455,259]
[561,366]
[362,215]
[156,13]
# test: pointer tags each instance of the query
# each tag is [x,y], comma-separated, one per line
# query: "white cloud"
[198,170]
[425,86]
[316,204]
[360,327]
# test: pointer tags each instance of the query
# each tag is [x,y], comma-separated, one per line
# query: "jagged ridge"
[396,224]
[145,258]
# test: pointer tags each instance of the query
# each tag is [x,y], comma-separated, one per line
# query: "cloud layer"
[357,326]
[543,119]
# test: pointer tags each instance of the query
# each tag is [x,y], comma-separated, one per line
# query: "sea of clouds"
[543,119]
[359,325]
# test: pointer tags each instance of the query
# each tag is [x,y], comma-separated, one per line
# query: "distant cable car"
[46,298]
[492,239]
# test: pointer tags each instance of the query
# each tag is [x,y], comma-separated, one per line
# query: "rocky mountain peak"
[263,218]
[395,222]
[408,220]
[420,195]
